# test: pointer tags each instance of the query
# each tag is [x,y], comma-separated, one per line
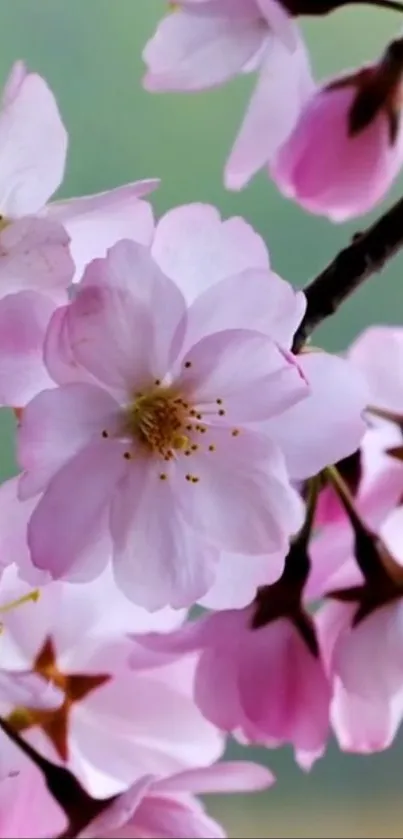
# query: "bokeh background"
[90,53]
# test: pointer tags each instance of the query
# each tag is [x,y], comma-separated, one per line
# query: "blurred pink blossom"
[204,43]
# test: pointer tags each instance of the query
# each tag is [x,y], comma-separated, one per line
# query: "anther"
[211,448]
[105,434]
[188,477]
[157,382]
[194,447]
[127,456]
[163,476]
[235,432]
[219,401]
[195,480]
[188,364]
[221,413]
[199,416]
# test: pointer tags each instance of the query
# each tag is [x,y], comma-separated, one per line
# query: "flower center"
[157,420]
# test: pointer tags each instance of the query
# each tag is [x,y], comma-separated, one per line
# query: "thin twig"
[367,255]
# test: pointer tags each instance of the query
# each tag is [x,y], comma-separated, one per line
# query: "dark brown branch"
[367,255]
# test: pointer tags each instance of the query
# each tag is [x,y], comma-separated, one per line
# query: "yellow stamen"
[32,596]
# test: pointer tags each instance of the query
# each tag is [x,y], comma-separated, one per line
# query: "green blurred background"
[90,53]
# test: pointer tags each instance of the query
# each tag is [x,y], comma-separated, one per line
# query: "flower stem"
[366,255]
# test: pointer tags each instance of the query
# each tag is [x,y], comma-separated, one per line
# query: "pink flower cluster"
[175,449]
[335,148]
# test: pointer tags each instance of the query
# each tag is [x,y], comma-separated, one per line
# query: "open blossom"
[163,450]
[181,407]
[114,724]
[346,148]
[202,44]
[262,683]
[37,242]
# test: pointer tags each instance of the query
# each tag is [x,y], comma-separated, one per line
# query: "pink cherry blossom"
[168,808]
[202,254]
[365,665]
[328,167]
[263,684]
[365,660]
[203,44]
[36,265]
[95,222]
[115,724]
[162,448]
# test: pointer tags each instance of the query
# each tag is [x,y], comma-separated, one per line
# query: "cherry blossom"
[265,682]
[38,243]
[361,642]
[114,725]
[203,44]
[33,168]
[161,418]
[346,148]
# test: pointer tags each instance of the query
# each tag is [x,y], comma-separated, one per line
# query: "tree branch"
[367,254]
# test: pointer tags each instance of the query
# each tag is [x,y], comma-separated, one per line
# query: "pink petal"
[24,318]
[33,146]
[368,658]
[226,776]
[56,425]
[378,353]
[110,335]
[391,532]
[58,354]
[129,307]
[279,22]
[68,521]
[364,725]
[137,725]
[247,371]
[14,518]
[96,222]
[238,578]
[34,254]
[16,76]
[329,424]
[283,86]
[170,818]
[192,52]
[27,810]
[117,814]
[255,299]
[196,249]
[29,690]
[327,171]
[158,559]
[243,501]
[284,690]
